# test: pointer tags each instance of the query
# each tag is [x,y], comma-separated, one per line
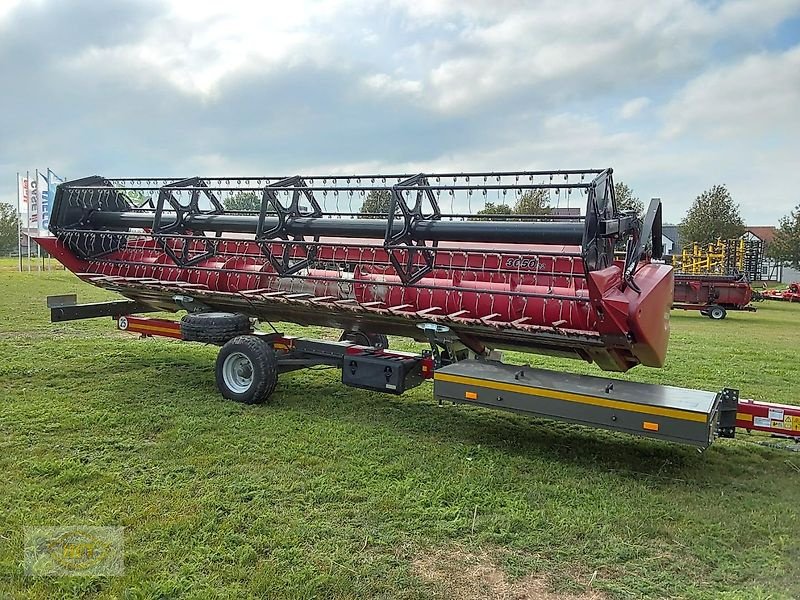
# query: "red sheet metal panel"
[778,419]
[706,290]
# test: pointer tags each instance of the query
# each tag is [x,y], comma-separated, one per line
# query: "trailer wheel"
[247,370]
[376,340]
[717,313]
[214,327]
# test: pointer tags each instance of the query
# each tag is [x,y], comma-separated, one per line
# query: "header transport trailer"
[374,255]
[713,295]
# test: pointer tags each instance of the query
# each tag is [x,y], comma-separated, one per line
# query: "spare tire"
[214,327]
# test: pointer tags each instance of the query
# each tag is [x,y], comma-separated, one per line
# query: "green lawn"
[335,492]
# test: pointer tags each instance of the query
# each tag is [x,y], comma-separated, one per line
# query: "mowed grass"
[333,492]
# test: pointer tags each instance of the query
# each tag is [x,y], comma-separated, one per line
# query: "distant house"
[670,239]
[771,271]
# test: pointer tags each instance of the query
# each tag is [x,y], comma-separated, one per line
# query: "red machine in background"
[790,294]
[713,295]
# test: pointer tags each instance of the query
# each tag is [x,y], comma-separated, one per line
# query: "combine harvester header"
[306,251]
[545,284]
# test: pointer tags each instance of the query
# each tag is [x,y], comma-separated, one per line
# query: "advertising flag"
[33,202]
[22,182]
[44,201]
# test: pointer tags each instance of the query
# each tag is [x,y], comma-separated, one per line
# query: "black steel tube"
[516,232]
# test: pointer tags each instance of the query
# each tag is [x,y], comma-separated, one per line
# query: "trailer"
[713,295]
[467,285]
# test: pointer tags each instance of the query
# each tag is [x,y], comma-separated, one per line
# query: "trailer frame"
[666,413]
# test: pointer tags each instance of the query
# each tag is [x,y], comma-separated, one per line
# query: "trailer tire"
[247,370]
[717,313]
[375,340]
[214,327]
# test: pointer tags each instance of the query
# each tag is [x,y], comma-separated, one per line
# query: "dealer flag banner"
[22,182]
[33,203]
[44,200]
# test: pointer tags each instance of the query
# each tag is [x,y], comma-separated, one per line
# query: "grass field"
[335,492]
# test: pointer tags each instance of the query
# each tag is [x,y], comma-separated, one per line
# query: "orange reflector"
[650,426]
[471,395]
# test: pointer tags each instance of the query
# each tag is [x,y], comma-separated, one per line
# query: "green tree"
[626,201]
[495,209]
[136,197]
[377,201]
[9,227]
[533,202]
[786,245]
[242,201]
[713,215]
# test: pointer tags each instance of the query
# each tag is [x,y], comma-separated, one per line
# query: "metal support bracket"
[401,247]
[180,251]
[728,405]
[271,204]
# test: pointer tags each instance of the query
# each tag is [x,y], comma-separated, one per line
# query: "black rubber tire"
[717,313]
[214,327]
[264,364]
[376,340]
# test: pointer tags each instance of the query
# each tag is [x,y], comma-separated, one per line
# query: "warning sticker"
[776,414]
[761,422]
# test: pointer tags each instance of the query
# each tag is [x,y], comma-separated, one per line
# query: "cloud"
[633,108]
[180,87]
[555,51]
[759,94]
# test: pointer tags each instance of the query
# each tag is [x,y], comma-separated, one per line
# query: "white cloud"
[384,84]
[556,49]
[199,86]
[759,94]
[634,107]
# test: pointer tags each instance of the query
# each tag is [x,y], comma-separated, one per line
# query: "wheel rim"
[716,313]
[237,372]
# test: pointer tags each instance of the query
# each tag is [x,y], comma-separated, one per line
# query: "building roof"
[765,233]
[671,232]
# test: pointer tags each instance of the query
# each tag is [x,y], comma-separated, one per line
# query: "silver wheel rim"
[237,372]
[716,313]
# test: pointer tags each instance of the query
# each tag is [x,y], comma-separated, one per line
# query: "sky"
[674,95]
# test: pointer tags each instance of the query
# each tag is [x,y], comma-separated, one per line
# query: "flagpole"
[19,223]
[28,231]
